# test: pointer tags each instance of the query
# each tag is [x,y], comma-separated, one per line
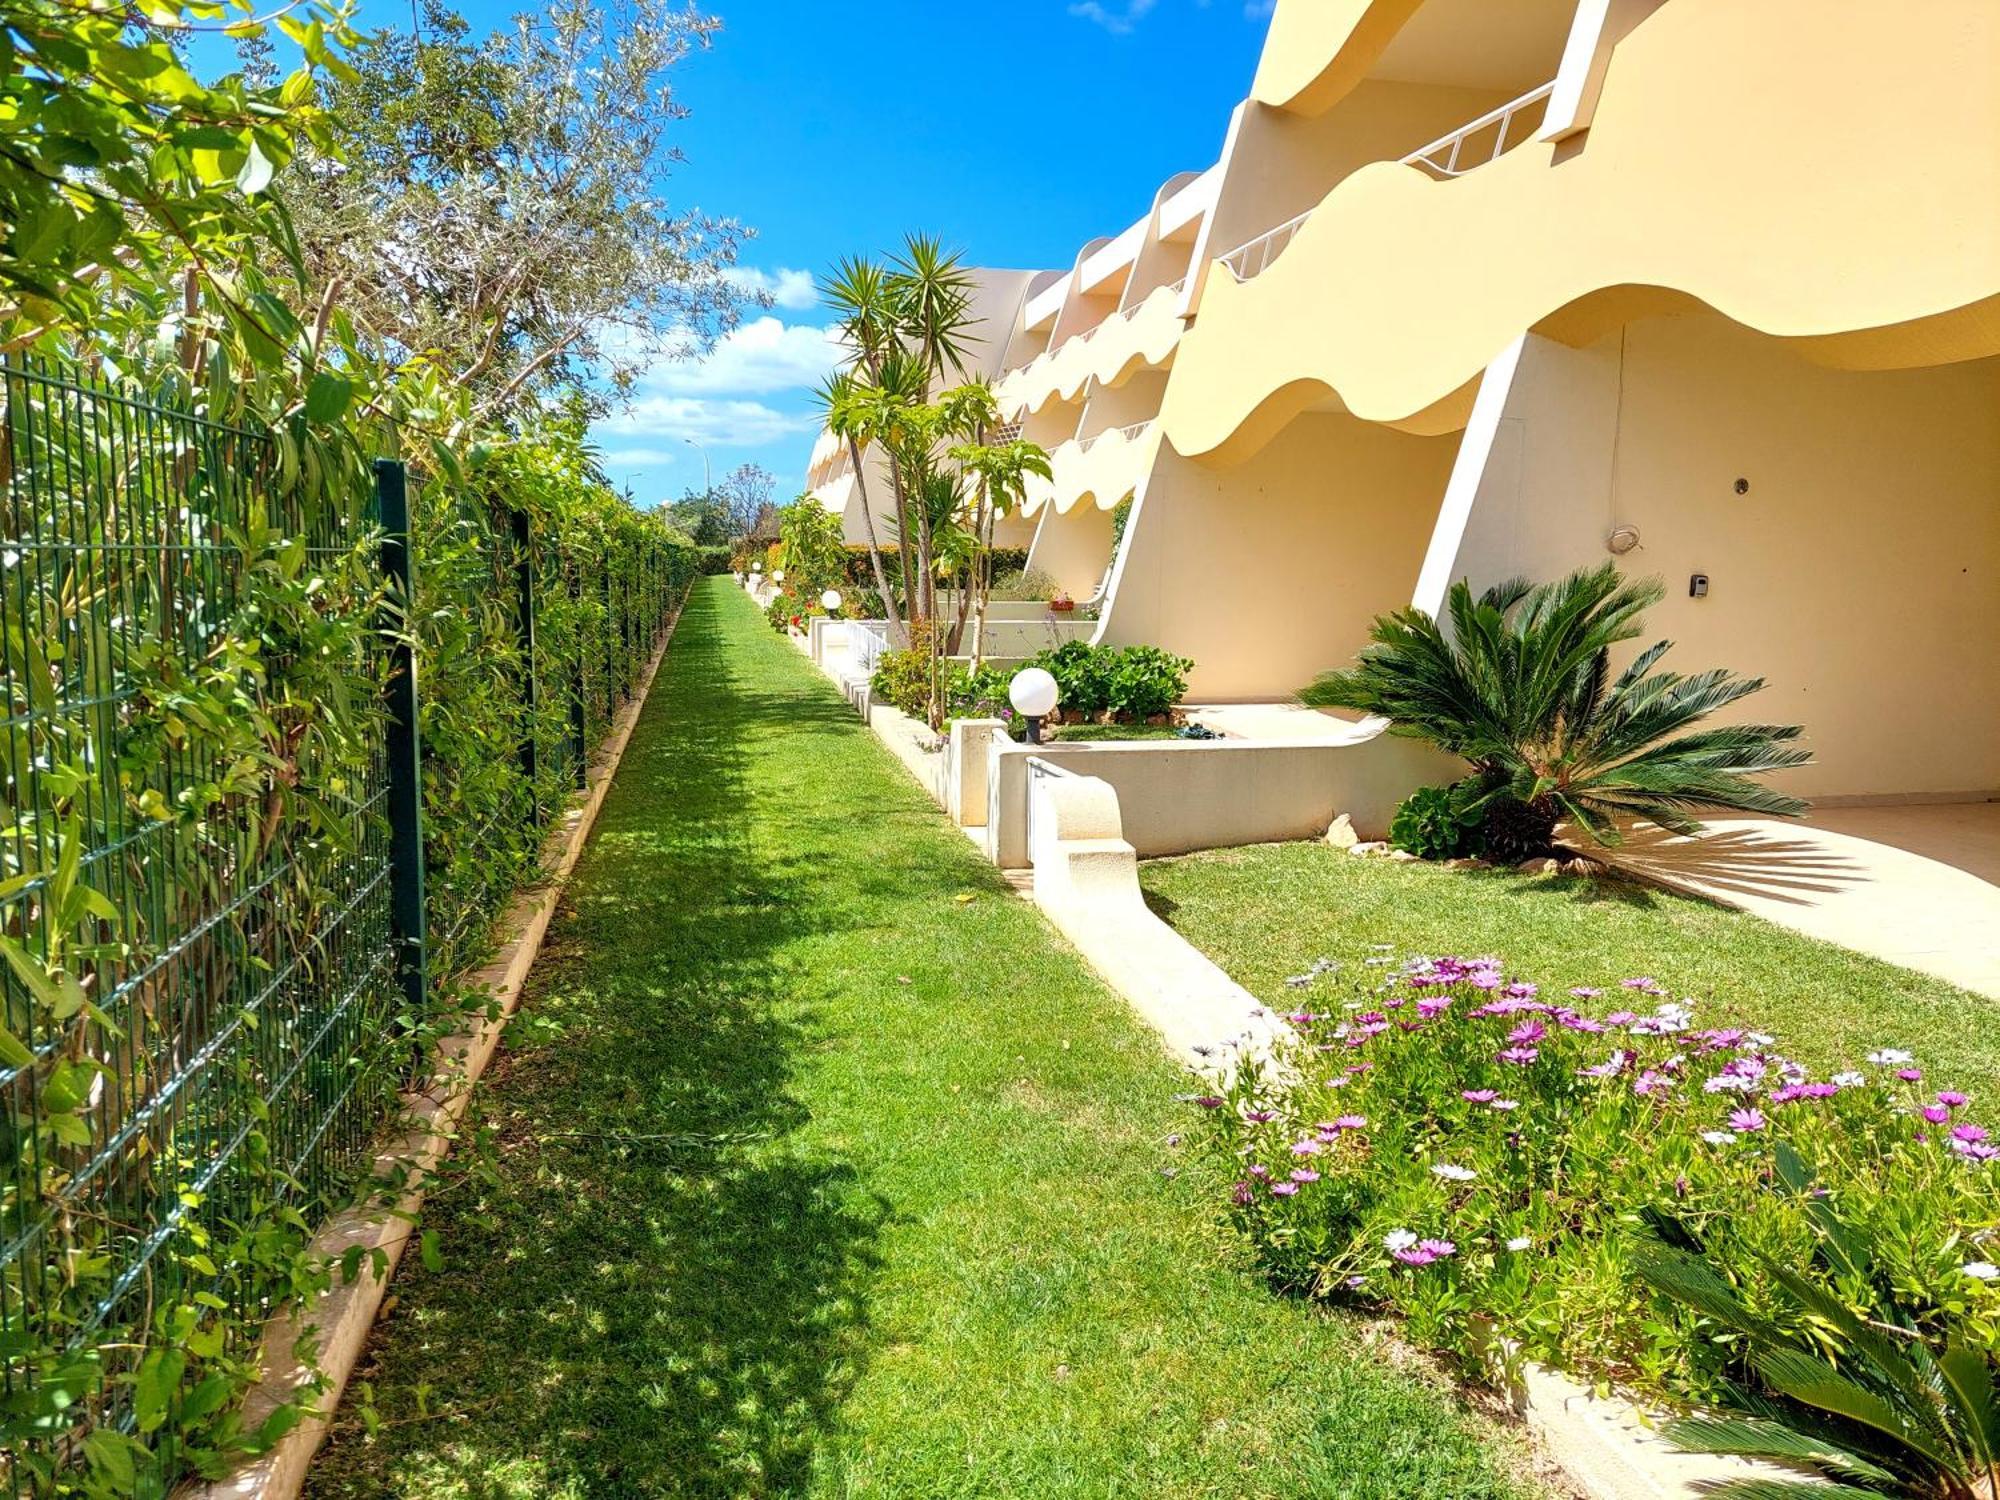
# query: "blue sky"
[1013,130]
[832,128]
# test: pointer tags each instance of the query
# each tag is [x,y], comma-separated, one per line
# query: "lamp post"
[707,478]
[1033,694]
[830,601]
[778,576]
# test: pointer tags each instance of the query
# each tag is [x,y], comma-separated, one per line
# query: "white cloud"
[786,288]
[1116,19]
[641,458]
[660,423]
[753,359]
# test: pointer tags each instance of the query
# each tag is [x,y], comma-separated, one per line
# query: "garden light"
[779,576]
[1033,694]
[830,601]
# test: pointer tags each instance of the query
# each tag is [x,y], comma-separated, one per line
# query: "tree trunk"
[896,630]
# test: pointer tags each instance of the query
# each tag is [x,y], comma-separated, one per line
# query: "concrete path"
[1918,885]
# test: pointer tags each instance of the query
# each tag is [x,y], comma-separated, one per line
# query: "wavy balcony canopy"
[1841,196]
[1143,336]
[1101,470]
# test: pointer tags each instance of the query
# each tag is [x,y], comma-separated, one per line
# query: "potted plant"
[1062,604]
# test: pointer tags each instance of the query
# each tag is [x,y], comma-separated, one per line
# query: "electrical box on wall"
[1698,586]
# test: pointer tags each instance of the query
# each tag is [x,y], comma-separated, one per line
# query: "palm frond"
[1758,1437]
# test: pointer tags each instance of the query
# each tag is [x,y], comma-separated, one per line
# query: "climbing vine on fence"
[201,1032]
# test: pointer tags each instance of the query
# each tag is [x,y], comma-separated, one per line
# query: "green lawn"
[822,1169]
[1267,912]
[1088,732]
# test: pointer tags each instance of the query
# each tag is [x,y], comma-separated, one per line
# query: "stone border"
[336,1324]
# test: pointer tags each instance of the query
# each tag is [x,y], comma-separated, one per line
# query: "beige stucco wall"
[1822,170]
[1177,797]
[1073,548]
[1269,573]
[1860,574]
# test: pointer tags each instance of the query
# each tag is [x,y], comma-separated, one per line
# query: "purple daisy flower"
[1424,1252]
[1743,1121]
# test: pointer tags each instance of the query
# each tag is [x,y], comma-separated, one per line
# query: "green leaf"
[110,1453]
[428,1250]
[153,1391]
[327,396]
[13,1052]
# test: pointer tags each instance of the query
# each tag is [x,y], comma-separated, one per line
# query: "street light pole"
[707,476]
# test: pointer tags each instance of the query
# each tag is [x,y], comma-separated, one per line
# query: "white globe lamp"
[1033,694]
[779,576]
[830,601]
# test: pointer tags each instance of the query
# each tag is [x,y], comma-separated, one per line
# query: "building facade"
[1478,290]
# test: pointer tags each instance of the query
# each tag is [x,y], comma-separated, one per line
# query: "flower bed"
[1495,1166]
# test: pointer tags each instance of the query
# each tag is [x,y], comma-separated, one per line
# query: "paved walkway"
[819,1167]
[1916,885]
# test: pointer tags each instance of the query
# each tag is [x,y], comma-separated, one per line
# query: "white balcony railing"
[1255,257]
[868,640]
[1455,154]
[1131,431]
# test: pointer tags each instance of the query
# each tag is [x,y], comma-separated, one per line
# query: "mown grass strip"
[821,1169]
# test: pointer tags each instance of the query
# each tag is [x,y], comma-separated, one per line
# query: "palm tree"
[846,416]
[906,326]
[933,292]
[1001,472]
[1521,686]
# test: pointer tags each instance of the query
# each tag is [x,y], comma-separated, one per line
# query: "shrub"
[713,561]
[1143,682]
[1023,583]
[903,678]
[810,547]
[1438,822]
[1522,687]
[1446,1143]
[1082,673]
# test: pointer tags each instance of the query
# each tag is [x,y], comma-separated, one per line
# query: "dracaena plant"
[1852,1405]
[1518,680]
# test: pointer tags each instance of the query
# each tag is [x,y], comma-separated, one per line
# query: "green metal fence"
[252,975]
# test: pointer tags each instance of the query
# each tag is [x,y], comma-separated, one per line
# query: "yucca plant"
[1888,1414]
[1520,685]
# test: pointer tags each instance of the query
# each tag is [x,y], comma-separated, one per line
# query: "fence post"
[614,651]
[579,734]
[524,583]
[405,751]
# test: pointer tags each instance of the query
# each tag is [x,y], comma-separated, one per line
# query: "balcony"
[1484,139]
[1252,258]
[1103,468]
[1143,334]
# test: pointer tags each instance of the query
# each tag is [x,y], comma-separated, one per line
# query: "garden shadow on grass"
[647,1288]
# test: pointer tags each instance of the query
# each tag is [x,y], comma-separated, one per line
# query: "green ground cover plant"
[820,1168]
[1597,1169]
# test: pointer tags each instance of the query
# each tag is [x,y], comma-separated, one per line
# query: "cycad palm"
[1521,686]
[1895,1411]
